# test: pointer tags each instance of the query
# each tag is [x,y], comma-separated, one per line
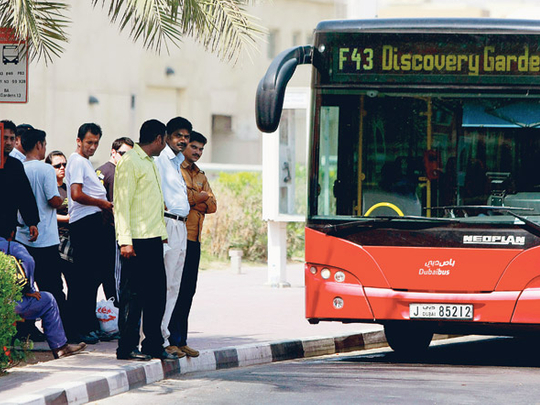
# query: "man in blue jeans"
[39,304]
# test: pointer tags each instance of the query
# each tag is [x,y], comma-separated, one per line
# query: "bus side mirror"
[271,89]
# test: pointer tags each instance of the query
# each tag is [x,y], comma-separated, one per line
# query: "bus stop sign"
[13,68]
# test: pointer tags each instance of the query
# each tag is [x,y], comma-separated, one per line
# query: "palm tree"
[222,26]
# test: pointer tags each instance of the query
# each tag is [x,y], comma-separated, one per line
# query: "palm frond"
[230,28]
[152,21]
[42,23]
[222,26]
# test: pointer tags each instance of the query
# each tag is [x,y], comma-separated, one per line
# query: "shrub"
[295,240]
[238,221]
[10,293]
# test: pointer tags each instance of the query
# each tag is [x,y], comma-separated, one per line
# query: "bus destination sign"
[431,58]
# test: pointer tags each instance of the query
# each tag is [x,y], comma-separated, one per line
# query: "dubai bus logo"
[494,240]
[437,267]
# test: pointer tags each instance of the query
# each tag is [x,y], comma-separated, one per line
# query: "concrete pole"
[277,254]
[236,260]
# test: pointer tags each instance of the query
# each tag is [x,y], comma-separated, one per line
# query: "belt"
[174,216]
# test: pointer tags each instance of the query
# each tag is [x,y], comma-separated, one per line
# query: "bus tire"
[408,338]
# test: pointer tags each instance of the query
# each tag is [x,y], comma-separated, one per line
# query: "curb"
[137,374]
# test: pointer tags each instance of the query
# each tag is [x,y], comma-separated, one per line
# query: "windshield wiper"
[380,221]
[531,225]
[451,208]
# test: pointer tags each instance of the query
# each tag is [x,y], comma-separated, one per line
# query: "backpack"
[20,275]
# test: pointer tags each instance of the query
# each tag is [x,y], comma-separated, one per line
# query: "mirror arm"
[271,89]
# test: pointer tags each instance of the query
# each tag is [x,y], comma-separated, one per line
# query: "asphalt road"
[467,371]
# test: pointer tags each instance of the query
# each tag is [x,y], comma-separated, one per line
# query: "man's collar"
[191,167]
[78,152]
[178,158]
[168,152]
[139,151]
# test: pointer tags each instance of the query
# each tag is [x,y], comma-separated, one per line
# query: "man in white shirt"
[92,240]
[44,249]
[177,209]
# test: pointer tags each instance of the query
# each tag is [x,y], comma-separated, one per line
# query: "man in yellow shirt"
[140,231]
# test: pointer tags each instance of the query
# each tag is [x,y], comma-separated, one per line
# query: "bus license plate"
[441,311]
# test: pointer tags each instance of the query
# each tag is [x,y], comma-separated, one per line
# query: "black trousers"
[108,275]
[178,325]
[48,275]
[93,255]
[143,291]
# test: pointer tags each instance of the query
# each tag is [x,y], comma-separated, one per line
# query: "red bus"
[424,174]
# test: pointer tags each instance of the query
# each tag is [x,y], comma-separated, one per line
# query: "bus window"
[328,160]
[374,152]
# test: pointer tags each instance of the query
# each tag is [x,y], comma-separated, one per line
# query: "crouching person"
[39,304]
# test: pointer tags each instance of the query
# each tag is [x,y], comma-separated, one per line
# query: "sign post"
[13,68]
[2,157]
[282,189]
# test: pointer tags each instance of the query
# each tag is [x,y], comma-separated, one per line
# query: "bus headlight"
[326,273]
[339,276]
[313,270]
[338,303]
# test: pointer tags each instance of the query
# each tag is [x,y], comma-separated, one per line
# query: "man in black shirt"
[105,173]
[18,195]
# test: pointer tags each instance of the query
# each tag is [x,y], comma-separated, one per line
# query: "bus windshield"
[391,154]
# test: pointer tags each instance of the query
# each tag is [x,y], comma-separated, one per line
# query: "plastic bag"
[107,315]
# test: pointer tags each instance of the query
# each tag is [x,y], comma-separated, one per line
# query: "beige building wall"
[131,84]
[526,9]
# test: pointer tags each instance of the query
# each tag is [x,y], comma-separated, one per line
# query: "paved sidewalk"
[236,320]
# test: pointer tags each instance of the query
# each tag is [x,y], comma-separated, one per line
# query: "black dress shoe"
[163,355]
[134,355]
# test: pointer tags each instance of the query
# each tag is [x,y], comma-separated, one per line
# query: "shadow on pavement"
[499,352]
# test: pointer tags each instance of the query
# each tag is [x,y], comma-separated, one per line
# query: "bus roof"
[450,25]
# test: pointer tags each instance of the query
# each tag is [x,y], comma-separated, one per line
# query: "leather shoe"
[189,351]
[134,355]
[68,350]
[163,355]
[175,350]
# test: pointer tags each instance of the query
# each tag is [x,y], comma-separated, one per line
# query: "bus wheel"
[408,338]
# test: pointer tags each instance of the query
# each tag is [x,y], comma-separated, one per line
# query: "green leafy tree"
[222,26]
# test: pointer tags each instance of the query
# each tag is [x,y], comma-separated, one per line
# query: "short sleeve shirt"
[105,174]
[43,182]
[79,170]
